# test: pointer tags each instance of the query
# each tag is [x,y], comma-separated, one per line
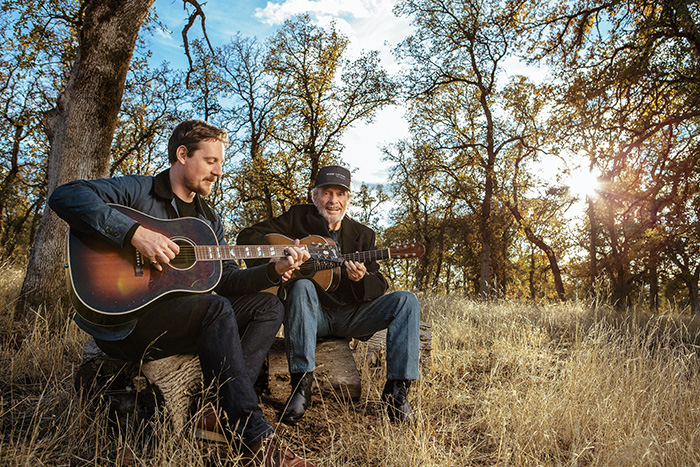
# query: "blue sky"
[370,25]
[223,19]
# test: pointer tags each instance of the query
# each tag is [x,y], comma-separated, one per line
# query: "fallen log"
[134,391]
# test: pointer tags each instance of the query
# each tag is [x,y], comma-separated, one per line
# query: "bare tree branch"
[198,13]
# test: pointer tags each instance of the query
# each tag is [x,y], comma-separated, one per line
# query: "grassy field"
[509,384]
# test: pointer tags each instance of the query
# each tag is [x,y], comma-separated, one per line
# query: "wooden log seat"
[135,391]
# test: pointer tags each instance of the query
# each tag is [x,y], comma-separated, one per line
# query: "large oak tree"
[81,128]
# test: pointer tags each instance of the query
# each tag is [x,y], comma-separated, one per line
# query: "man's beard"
[200,188]
[329,218]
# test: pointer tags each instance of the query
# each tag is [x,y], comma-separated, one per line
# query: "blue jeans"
[306,320]
[231,338]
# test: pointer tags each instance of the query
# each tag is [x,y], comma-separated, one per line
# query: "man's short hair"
[190,133]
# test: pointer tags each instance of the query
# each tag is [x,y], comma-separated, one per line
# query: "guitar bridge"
[138,263]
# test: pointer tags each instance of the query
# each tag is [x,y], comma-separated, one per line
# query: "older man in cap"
[357,308]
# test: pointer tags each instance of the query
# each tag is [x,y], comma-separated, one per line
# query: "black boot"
[299,399]
[395,396]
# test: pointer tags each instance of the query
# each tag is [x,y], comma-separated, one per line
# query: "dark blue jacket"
[303,220]
[83,205]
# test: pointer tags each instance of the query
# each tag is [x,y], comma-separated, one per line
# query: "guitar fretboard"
[364,256]
[359,257]
[226,252]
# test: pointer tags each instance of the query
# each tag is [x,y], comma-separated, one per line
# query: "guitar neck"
[227,252]
[364,256]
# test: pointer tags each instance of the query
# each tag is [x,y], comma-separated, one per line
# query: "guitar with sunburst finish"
[108,284]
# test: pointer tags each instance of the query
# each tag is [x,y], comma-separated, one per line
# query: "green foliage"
[293,101]
[151,108]
[477,128]
[366,203]
[320,94]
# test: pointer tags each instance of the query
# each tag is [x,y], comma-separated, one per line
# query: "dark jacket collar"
[348,225]
[163,189]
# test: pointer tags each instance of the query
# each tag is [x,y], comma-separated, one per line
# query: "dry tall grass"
[510,384]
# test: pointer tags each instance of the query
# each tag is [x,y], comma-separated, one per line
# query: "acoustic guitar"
[326,272]
[108,284]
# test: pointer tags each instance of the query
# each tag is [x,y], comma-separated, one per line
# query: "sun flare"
[584,183]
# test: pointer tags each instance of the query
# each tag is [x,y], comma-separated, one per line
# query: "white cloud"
[368,24]
[277,13]
[363,142]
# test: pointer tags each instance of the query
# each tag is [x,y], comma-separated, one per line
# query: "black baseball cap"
[333,175]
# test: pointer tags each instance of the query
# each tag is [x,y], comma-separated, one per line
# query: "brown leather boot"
[268,453]
[209,426]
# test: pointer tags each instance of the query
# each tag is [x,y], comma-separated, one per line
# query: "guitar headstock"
[407,250]
[324,252]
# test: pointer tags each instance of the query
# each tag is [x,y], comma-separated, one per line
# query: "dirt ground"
[325,422]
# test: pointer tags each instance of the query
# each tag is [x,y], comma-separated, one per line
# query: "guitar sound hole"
[307,268]
[186,258]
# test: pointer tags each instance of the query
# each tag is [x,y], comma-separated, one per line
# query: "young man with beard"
[231,331]
[358,307]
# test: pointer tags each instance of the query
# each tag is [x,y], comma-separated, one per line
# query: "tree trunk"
[80,130]
[531,277]
[539,243]
[485,223]
[653,270]
[8,182]
[691,279]
[440,257]
[419,280]
[486,237]
[653,267]
[620,285]
[694,295]
[593,262]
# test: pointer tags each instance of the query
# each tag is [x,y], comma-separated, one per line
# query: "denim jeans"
[306,320]
[231,338]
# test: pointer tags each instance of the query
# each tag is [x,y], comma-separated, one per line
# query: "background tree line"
[622,92]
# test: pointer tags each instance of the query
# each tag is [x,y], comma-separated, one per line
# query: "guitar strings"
[189,252]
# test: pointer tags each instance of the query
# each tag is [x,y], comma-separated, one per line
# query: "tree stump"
[179,379]
[133,391]
[337,361]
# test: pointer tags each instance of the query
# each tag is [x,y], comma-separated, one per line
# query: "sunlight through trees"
[486,178]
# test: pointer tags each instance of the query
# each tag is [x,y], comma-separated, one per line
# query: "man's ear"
[181,153]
